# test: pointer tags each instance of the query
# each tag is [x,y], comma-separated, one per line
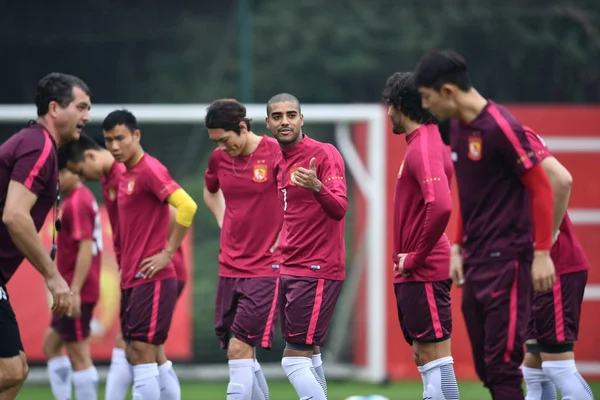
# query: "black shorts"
[10,337]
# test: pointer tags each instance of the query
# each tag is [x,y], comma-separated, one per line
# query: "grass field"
[282,390]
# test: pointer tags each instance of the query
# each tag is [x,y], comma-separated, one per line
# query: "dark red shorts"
[307,306]
[74,330]
[147,310]
[424,310]
[555,316]
[246,308]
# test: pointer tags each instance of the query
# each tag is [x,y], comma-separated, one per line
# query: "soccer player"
[312,190]
[28,183]
[550,360]
[148,279]
[421,253]
[241,191]
[505,199]
[79,246]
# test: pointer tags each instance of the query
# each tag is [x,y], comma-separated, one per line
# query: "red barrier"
[548,121]
[28,295]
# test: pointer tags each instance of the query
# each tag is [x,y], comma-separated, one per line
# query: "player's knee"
[79,355]
[416,357]
[141,353]
[237,350]
[52,346]
[120,342]
[14,372]
[532,359]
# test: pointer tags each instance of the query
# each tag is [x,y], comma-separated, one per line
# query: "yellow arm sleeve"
[185,205]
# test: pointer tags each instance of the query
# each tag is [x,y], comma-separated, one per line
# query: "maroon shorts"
[424,310]
[247,309]
[146,311]
[555,316]
[74,330]
[307,306]
[180,287]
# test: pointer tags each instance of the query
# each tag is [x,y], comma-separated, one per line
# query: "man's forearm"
[176,238]
[23,234]
[83,265]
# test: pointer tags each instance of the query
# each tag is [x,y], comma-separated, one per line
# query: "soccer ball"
[376,397]
[355,398]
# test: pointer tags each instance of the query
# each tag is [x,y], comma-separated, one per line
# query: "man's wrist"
[318,187]
[76,290]
[541,253]
[456,249]
[169,252]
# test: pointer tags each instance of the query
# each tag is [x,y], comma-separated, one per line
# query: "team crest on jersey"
[112,194]
[400,170]
[260,173]
[475,148]
[130,186]
[293,174]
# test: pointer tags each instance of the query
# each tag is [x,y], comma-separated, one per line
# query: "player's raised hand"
[456,266]
[153,265]
[543,274]
[62,297]
[307,178]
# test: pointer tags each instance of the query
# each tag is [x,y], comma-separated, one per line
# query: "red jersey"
[143,218]
[422,208]
[110,186]
[312,238]
[28,157]
[253,215]
[567,253]
[80,221]
[179,265]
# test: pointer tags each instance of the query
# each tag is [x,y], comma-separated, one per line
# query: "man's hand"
[152,265]
[400,266]
[276,244]
[307,178]
[542,271]
[456,266]
[62,297]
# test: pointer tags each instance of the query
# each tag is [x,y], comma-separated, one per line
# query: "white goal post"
[370,179]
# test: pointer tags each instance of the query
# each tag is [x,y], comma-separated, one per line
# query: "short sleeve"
[31,164]
[512,143]
[159,181]
[211,178]
[83,217]
[538,146]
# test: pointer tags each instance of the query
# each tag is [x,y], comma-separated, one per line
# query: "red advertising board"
[31,302]
[553,122]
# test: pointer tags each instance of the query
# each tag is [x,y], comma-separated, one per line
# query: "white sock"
[145,382]
[425,380]
[120,376]
[241,379]
[317,363]
[569,381]
[86,384]
[260,389]
[59,372]
[302,376]
[169,384]
[539,386]
[441,381]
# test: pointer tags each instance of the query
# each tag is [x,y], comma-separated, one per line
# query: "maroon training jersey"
[28,157]
[110,187]
[80,221]
[143,218]
[253,215]
[422,208]
[179,265]
[567,252]
[490,154]
[312,238]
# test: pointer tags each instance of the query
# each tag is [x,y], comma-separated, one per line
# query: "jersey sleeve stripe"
[424,150]
[35,171]
[511,135]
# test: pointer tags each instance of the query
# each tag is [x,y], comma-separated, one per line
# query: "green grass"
[282,390]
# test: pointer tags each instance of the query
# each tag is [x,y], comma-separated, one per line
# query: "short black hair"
[226,114]
[401,93]
[281,98]
[438,67]
[74,150]
[57,87]
[120,117]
